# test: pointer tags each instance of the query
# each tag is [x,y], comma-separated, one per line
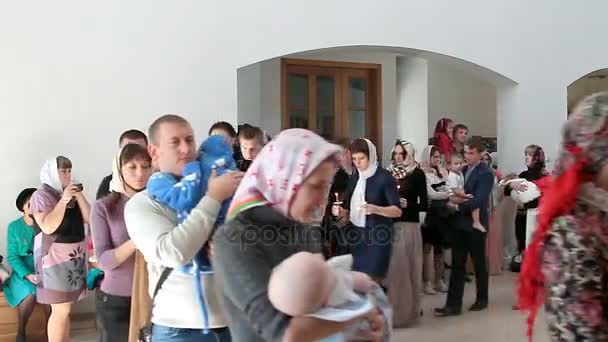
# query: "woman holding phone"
[60,210]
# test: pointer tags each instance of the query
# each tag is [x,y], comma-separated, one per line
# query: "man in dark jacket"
[468,240]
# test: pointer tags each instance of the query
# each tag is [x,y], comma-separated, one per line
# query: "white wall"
[249,94]
[457,95]
[413,101]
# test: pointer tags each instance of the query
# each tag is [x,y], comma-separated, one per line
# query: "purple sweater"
[109,232]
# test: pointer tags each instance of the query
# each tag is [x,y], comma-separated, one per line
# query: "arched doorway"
[381,92]
[591,83]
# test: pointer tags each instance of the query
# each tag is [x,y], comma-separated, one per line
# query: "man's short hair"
[133,134]
[458,128]
[251,132]
[342,141]
[165,119]
[476,145]
[224,126]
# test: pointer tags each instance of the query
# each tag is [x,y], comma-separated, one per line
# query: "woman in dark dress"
[436,223]
[371,203]
[334,227]
[535,161]
[404,279]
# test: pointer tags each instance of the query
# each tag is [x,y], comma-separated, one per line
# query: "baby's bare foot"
[479,227]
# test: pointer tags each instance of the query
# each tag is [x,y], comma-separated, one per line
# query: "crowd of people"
[184,264]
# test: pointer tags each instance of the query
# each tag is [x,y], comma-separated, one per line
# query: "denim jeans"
[167,334]
[113,314]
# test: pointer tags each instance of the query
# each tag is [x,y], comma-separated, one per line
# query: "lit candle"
[337,198]
[398,188]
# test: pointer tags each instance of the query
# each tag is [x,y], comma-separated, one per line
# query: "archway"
[591,83]
[416,89]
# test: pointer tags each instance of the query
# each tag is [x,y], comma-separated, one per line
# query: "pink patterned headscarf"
[280,168]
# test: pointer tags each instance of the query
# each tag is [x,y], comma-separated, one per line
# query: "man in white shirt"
[154,229]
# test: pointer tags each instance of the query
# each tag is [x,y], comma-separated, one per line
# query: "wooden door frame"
[375,102]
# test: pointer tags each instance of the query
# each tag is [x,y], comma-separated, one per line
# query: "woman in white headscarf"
[61,211]
[371,203]
[114,250]
[435,223]
[404,279]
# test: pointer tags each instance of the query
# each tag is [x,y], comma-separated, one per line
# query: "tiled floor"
[497,324]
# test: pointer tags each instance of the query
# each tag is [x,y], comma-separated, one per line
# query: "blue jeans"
[167,334]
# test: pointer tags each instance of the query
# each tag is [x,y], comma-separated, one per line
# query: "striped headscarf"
[583,154]
[280,169]
[401,170]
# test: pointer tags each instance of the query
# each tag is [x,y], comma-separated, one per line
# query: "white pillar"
[412,101]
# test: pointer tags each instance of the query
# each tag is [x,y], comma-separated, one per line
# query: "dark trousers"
[520,231]
[113,315]
[467,243]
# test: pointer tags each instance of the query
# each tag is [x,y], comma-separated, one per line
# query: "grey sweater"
[246,250]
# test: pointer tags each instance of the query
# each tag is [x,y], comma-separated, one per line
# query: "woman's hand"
[210,249]
[224,186]
[337,210]
[32,279]
[519,187]
[68,193]
[455,199]
[372,209]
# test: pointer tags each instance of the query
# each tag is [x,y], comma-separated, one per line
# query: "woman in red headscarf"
[566,265]
[443,138]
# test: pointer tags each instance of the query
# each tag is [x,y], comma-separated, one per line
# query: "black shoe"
[479,306]
[445,312]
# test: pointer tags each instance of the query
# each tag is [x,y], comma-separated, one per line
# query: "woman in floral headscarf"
[403,279]
[282,196]
[535,161]
[566,265]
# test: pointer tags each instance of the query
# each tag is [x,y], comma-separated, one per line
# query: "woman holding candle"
[371,203]
[404,279]
[335,230]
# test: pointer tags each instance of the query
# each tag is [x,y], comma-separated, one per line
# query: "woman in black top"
[535,161]
[404,276]
[335,229]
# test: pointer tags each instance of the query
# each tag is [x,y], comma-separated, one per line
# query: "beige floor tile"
[497,324]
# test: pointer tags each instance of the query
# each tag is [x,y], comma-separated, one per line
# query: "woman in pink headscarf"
[283,194]
[443,138]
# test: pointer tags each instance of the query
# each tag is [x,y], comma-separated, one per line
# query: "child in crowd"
[456,184]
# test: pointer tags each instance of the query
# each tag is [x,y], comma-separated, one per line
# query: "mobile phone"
[79,187]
